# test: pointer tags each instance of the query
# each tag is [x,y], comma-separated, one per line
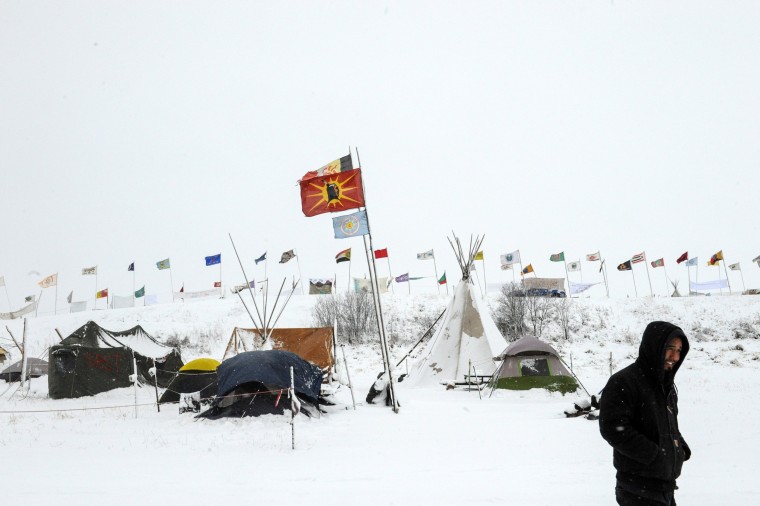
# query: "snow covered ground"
[443,447]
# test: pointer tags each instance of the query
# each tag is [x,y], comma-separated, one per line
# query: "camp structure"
[531,363]
[35,367]
[93,360]
[467,342]
[256,383]
[315,345]
[198,375]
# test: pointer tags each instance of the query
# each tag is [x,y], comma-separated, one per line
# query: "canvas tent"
[531,363]
[466,343]
[315,345]
[35,368]
[93,360]
[254,383]
[198,375]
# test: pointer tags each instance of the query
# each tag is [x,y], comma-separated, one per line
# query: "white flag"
[574,266]
[49,281]
[735,267]
[510,258]
[427,255]
[593,257]
[506,267]
[90,271]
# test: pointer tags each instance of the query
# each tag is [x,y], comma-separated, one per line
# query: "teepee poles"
[248,285]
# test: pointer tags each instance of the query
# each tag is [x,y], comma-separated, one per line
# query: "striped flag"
[639,257]
[593,257]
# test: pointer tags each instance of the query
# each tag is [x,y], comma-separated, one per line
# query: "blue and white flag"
[261,258]
[404,278]
[425,255]
[214,259]
[691,262]
[510,258]
[351,225]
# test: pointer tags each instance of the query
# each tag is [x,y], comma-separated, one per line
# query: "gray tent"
[531,363]
[35,368]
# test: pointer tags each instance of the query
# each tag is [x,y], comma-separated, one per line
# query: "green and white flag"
[558,257]
[574,266]
[140,293]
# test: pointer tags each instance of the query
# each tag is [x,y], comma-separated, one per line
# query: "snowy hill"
[444,447]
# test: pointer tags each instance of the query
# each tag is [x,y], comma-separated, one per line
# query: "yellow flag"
[479,255]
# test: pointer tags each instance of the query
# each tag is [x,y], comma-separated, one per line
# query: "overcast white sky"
[135,131]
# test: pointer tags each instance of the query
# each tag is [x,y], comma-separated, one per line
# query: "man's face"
[673,353]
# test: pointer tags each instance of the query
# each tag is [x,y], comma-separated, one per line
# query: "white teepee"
[468,335]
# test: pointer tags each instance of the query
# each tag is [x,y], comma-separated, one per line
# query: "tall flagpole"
[7,296]
[300,278]
[744,287]
[634,283]
[665,270]
[727,280]
[567,275]
[378,304]
[435,267]
[95,306]
[55,305]
[390,273]
[348,287]
[688,273]
[133,285]
[646,264]
[171,279]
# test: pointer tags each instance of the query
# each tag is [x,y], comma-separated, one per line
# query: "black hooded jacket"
[638,415]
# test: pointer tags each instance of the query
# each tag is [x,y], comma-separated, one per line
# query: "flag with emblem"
[332,193]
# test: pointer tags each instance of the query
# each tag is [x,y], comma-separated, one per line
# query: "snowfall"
[442,447]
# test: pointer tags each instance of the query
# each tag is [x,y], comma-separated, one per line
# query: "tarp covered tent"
[93,360]
[468,336]
[531,363]
[198,375]
[256,382]
[315,345]
[35,367]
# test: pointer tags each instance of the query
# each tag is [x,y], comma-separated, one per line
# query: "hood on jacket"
[652,351]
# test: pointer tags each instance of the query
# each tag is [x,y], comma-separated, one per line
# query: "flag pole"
[724,270]
[646,264]
[605,274]
[95,305]
[390,273]
[634,283]
[171,279]
[567,275]
[133,286]
[435,268]
[55,304]
[744,287]
[378,304]
[665,270]
[300,278]
[348,285]
[688,274]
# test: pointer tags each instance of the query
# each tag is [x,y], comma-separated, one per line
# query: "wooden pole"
[20,348]
[59,334]
[171,280]
[247,283]
[485,283]
[155,384]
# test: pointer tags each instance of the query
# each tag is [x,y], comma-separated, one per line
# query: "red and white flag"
[593,257]
[641,257]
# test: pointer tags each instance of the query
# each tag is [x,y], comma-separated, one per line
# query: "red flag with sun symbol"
[331,193]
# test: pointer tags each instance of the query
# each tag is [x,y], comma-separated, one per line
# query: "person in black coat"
[638,417]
